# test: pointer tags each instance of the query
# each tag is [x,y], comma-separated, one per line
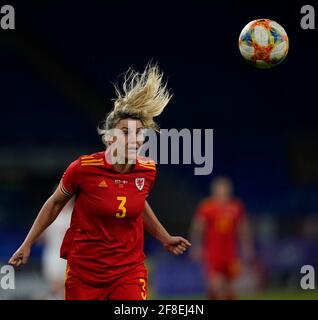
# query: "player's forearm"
[196,234]
[196,239]
[247,247]
[246,241]
[46,216]
[153,225]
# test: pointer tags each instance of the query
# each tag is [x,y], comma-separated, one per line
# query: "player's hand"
[176,245]
[21,256]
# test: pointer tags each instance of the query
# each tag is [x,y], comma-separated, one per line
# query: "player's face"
[222,190]
[132,137]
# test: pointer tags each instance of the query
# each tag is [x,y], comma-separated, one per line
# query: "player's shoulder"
[237,202]
[207,202]
[145,160]
[87,160]
[146,163]
[92,160]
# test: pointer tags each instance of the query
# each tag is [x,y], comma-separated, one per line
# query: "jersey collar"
[108,164]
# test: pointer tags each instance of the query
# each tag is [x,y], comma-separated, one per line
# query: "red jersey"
[106,236]
[221,222]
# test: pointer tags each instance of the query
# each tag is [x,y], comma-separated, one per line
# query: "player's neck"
[122,168]
[119,167]
[220,199]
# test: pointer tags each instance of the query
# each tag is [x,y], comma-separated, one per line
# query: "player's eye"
[140,131]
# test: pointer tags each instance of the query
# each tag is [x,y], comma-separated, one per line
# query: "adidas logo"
[103,184]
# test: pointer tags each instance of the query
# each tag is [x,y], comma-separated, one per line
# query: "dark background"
[57,69]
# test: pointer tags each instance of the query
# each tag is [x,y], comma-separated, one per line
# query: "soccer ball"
[263,43]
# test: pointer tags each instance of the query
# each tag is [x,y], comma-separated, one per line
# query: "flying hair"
[142,96]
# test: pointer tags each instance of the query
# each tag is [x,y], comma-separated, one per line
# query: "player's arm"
[48,213]
[196,236]
[174,244]
[246,240]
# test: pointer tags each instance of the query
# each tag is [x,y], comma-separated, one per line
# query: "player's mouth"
[134,148]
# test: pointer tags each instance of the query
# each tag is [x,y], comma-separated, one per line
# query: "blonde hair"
[143,96]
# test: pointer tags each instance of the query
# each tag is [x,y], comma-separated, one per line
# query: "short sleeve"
[201,211]
[70,179]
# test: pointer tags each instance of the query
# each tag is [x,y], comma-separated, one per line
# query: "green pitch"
[304,295]
[269,295]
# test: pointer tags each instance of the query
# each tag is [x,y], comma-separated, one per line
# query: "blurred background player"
[53,267]
[219,227]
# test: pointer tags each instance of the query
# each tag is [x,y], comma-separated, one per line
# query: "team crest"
[140,182]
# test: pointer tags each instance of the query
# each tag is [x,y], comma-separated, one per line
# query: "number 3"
[143,288]
[121,207]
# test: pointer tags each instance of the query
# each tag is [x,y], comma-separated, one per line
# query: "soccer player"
[219,226]
[105,241]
